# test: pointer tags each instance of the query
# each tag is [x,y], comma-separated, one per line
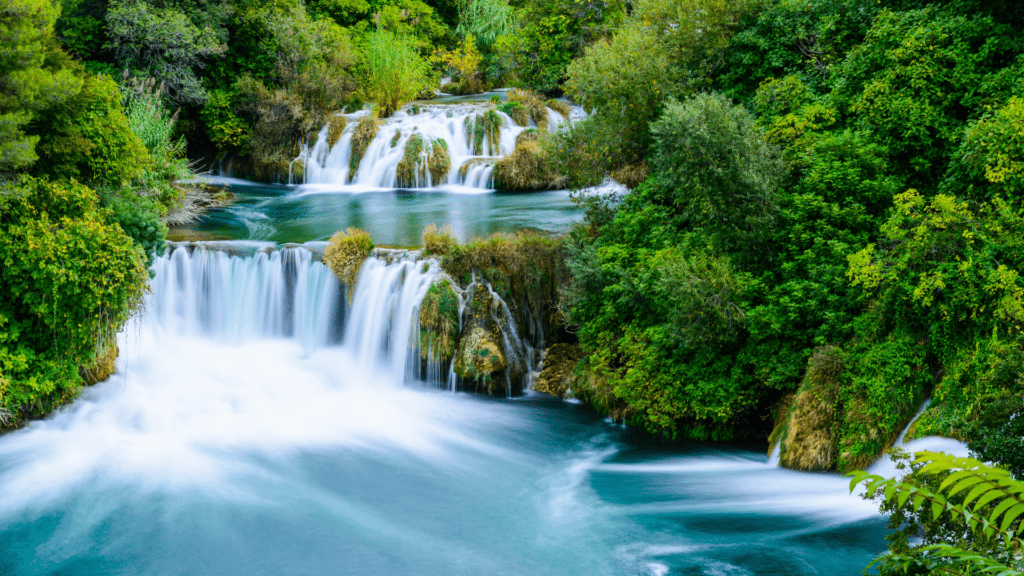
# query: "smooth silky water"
[260,424]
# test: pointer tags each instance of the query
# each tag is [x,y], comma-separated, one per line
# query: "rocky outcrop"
[488,358]
[557,373]
[808,440]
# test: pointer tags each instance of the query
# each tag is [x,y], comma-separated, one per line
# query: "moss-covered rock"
[533,107]
[526,169]
[812,423]
[480,353]
[484,127]
[335,129]
[560,106]
[103,366]
[557,374]
[365,132]
[440,162]
[439,321]
[412,168]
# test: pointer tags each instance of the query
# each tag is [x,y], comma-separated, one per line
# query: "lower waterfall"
[259,423]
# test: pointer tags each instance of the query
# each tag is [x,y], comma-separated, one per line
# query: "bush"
[346,253]
[70,279]
[392,72]
[90,139]
[717,169]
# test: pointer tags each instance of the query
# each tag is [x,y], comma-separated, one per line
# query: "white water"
[327,166]
[245,432]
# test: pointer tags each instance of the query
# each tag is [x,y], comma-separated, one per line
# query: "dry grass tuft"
[533,105]
[439,242]
[526,169]
[346,253]
[632,175]
[560,106]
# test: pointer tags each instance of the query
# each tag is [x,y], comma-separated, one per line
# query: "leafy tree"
[90,139]
[161,43]
[717,169]
[31,78]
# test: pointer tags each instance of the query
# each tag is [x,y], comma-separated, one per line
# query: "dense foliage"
[830,176]
[948,515]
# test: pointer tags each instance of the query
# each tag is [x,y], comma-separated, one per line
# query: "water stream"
[259,423]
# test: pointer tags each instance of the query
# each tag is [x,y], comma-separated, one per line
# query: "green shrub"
[392,72]
[70,278]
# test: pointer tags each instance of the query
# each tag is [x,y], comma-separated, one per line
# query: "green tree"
[717,169]
[29,79]
[161,43]
[392,73]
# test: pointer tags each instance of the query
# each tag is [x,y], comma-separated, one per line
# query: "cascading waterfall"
[287,294]
[456,124]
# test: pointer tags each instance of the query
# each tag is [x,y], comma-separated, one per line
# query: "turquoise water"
[257,425]
[393,217]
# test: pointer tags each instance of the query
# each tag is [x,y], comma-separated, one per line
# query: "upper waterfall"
[474,136]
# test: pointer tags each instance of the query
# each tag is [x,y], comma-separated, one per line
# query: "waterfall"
[471,165]
[286,293]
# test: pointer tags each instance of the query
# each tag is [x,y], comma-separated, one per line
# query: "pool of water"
[393,217]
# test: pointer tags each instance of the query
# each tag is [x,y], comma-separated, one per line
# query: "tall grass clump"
[346,253]
[439,241]
[392,71]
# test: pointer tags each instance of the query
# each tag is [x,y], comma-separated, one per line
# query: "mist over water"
[260,424]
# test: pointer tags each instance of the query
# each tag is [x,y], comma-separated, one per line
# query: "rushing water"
[258,423]
[454,124]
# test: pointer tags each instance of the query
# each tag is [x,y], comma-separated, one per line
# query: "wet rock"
[480,353]
[557,374]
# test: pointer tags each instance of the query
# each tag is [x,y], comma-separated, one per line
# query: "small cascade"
[385,313]
[270,294]
[474,136]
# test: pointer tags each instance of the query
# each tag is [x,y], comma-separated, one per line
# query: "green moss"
[517,111]
[396,138]
[439,322]
[439,163]
[485,126]
[364,133]
[411,169]
[533,107]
